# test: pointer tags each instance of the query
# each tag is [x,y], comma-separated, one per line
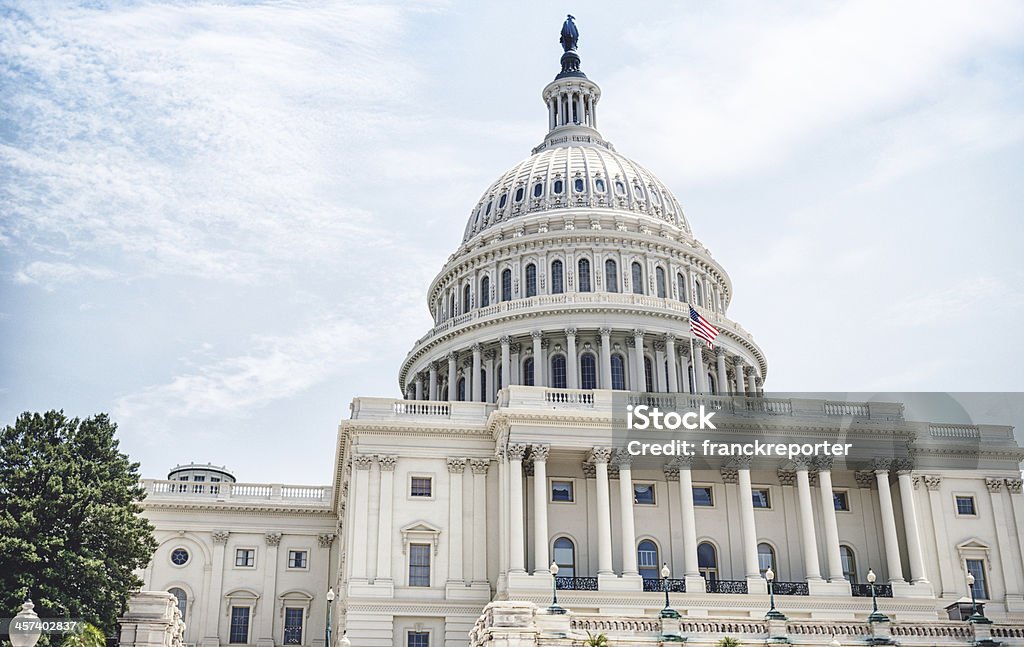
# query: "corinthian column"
[453,375]
[629,565]
[479,467]
[517,558]
[723,375]
[539,453]
[638,361]
[571,371]
[538,359]
[810,539]
[891,541]
[600,457]
[476,395]
[606,358]
[914,551]
[670,355]
[700,376]
[432,393]
[828,515]
[506,362]
[456,468]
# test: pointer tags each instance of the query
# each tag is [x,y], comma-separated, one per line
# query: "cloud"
[49,275]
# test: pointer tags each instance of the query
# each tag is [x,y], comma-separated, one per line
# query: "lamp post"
[976,617]
[554,608]
[773,613]
[876,615]
[667,612]
[330,603]
[25,628]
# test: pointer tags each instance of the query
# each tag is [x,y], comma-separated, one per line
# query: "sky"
[218,221]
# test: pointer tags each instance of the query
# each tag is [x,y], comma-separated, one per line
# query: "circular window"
[179,556]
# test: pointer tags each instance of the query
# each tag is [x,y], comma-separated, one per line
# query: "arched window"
[712,384]
[451,305]
[707,561]
[564,554]
[506,285]
[182,599]
[681,286]
[599,185]
[558,371]
[611,276]
[647,560]
[487,212]
[618,373]
[648,375]
[502,200]
[557,278]
[766,558]
[528,372]
[483,385]
[577,184]
[620,188]
[588,372]
[462,389]
[467,298]
[655,198]
[519,194]
[659,280]
[639,191]
[485,292]
[584,267]
[849,563]
[557,186]
[538,190]
[638,278]
[531,280]
[698,293]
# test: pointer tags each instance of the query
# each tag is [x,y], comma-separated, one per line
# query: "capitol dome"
[578,270]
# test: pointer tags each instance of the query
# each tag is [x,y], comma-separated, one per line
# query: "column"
[506,362]
[384,523]
[541,559]
[517,558]
[759,383]
[453,376]
[639,384]
[433,381]
[480,467]
[572,368]
[538,358]
[1003,520]
[751,381]
[690,568]
[723,375]
[738,363]
[456,468]
[219,567]
[828,516]
[807,534]
[627,522]
[699,372]
[361,470]
[914,552]
[476,396]
[892,546]
[418,386]
[491,394]
[949,574]
[749,530]
[266,611]
[658,369]
[606,358]
[515,370]
[670,355]
[600,456]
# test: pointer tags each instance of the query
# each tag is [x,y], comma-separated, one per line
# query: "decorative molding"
[272,538]
[325,539]
[730,475]
[589,470]
[516,451]
[787,477]
[932,482]
[539,452]
[362,461]
[457,465]
[994,484]
[1014,486]
[479,465]
[220,536]
[600,454]
[671,472]
[865,479]
[387,462]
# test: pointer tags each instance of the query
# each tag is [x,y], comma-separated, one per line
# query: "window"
[618,373]
[638,278]
[965,506]
[181,599]
[707,561]
[497,377]
[558,186]
[588,372]
[531,280]
[557,278]
[639,191]
[483,385]
[849,563]
[643,493]
[761,498]
[528,372]
[562,491]
[245,557]
[611,276]
[293,626]
[620,188]
[565,556]
[655,198]
[648,375]
[558,371]
[703,496]
[599,185]
[502,200]
[584,267]
[841,501]
[659,280]
[485,292]
[421,487]
[467,298]
[417,639]
[451,305]
[538,190]
[647,560]
[460,388]
[698,293]
[297,559]
[506,285]
[681,286]
[179,556]
[490,203]
[976,567]
[765,558]
[577,184]
[419,565]
[239,631]
[519,194]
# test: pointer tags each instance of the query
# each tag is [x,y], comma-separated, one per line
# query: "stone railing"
[152,620]
[954,431]
[420,410]
[308,495]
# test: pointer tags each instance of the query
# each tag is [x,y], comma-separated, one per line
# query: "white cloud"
[49,275]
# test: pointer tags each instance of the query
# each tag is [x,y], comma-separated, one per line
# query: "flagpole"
[691,362]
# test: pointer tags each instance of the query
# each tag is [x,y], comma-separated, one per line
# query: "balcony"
[312,496]
[658,586]
[864,590]
[790,588]
[726,586]
[576,583]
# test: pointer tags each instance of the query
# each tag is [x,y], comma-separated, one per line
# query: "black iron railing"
[576,583]
[726,586]
[790,588]
[658,586]
[864,590]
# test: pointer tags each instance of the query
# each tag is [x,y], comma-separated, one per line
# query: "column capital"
[670,338]
[479,465]
[759,381]
[600,454]
[865,478]
[589,470]
[639,332]
[570,332]
[476,347]
[516,451]
[623,460]
[802,463]
[787,477]
[457,465]
[994,484]
[659,345]
[682,462]
[730,475]
[605,331]
[742,462]
[272,538]
[539,452]
[932,482]
[671,472]
[823,463]
[515,348]
[452,356]
[1014,486]
[902,465]
[362,461]
[220,536]
[738,362]
[387,462]
[505,340]
[881,465]
[325,539]
[536,334]
[720,352]
[490,354]
[434,365]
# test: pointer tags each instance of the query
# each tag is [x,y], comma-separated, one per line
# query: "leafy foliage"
[728,641]
[70,530]
[600,640]
[91,636]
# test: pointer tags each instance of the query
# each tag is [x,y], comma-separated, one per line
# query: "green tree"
[600,640]
[728,642]
[70,530]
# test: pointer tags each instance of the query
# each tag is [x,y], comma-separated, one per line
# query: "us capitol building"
[568,297]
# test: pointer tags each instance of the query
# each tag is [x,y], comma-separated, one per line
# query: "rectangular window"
[761,499]
[293,626]
[841,501]
[420,486]
[643,493]
[297,559]
[976,567]
[562,491]
[702,496]
[417,639]
[965,506]
[245,557]
[419,565]
[239,631]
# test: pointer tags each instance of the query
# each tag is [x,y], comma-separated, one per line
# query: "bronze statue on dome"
[570,35]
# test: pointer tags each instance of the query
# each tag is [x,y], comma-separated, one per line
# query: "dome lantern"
[571,98]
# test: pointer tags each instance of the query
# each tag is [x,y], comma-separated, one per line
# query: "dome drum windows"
[578,185]
[659,280]
[503,200]
[506,285]
[557,187]
[520,194]
[611,276]
[485,292]
[557,277]
[584,275]
[620,187]
[531,280]
[637,278]
[538,189]
[599,185]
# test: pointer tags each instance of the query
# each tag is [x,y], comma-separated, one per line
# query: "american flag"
[702,328]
